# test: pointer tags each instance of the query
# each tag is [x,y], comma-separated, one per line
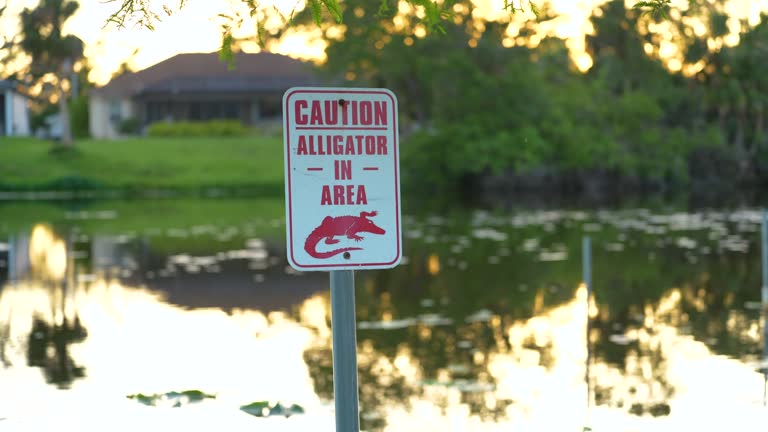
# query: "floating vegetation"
[427,303]
[735,243]
[483,315]
[178,233]
[546,256]
[490,234]
[93,215]
[462,385]
[429,320]
[265,409]
[464,344]
[255,243]
[655,410]
[592,227]
[621,339]
[459,368]
[386,325]
[531,245]
[413,233]
[172,399]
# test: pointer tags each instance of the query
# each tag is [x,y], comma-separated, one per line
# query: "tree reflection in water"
[448,352]
[51,266]
[484,323]
[48,348]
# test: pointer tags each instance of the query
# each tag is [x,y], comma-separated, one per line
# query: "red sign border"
[289,201]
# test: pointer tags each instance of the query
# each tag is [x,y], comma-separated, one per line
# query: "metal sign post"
[344,350]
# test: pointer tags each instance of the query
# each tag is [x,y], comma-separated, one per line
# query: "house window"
[270,107]
[195,111]
[231,110]
[157,111]
[115,111]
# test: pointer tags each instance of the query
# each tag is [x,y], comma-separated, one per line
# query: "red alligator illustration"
[340,226]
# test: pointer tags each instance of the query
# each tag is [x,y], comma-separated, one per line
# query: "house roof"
[205,72]
[6,85]
[14,87]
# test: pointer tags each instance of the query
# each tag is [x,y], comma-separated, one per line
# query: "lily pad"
[265,409]
[173,398]
[258,409]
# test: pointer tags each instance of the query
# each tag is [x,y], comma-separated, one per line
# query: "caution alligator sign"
[342,185]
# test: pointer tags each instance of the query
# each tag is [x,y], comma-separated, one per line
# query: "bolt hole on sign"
[342,182]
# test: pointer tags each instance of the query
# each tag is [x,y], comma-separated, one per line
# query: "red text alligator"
[340,226]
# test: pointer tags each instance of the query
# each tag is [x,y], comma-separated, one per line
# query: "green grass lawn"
[141,163]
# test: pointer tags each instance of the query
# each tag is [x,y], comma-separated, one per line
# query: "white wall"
[16,119]
[100,115]
[128,109]
[7,121]
[20,126]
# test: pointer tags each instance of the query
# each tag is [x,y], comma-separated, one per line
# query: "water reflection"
[53,327]
[482,330]
[137,343]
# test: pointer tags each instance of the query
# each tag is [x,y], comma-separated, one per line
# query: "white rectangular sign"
[342,184]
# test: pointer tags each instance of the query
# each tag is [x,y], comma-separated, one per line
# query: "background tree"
[482,98]
[432,14]
[52,54]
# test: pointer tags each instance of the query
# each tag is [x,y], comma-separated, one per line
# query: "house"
[198,87]
[14,112]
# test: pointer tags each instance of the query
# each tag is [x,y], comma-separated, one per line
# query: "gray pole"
[586,262]
[344,350]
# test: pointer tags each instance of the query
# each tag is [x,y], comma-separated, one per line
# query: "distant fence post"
[10,264]
[586,248]
[586,268]
[764,297]
[765,256]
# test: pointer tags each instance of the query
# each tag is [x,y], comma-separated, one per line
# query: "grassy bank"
[119,216]
[174,225]
[143,163]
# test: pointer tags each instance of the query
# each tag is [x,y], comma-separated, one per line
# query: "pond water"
[183,315]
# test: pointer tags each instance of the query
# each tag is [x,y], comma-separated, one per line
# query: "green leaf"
[334,9]
[225,53]
[317,11]
[656,7]
[383,8]
[261,31]
[253,7]
[534,9]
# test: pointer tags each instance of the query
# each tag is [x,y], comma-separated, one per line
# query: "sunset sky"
[197,28]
